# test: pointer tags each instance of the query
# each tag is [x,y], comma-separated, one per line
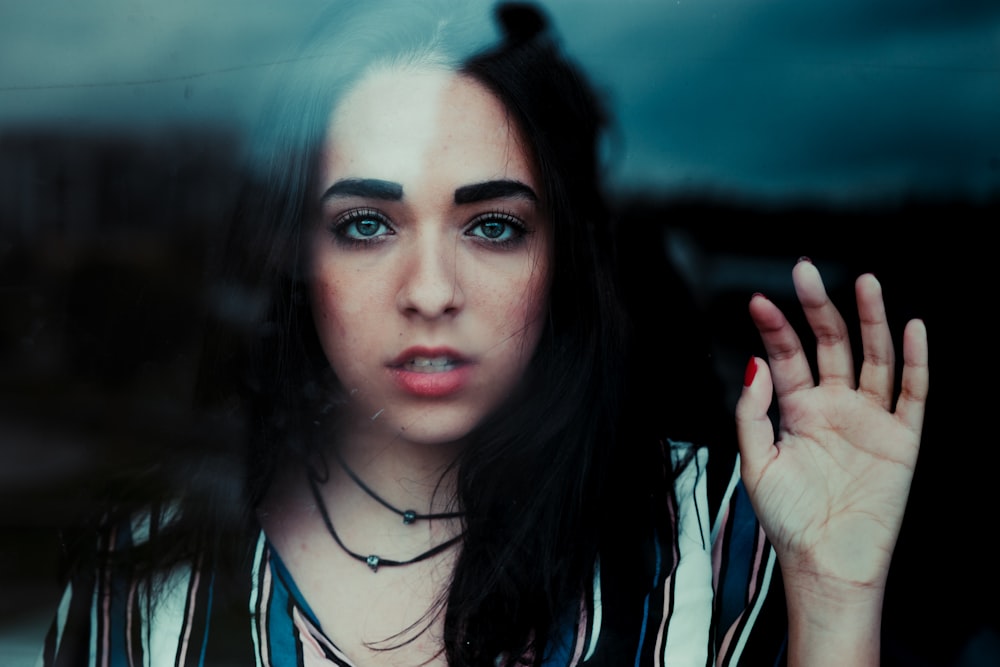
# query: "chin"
[426,428]
[420,435]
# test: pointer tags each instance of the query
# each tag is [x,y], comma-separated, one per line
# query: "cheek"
[537,286]
[340,311]
[530,308]
[523,310]
[325,305]
[346,296]
[537,295]
[536,308]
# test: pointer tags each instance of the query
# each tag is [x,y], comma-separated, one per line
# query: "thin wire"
[409,516]
[373,561]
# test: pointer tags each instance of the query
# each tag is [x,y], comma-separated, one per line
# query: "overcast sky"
[849,99]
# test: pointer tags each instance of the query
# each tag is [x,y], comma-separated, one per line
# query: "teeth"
[429,364]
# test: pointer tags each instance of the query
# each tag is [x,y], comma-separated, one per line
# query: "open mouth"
[430,364]
[431,373]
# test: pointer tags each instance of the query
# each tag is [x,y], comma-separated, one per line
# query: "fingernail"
[750,372]
[756,294]
[803,258]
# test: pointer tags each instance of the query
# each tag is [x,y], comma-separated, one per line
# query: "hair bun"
[521,21]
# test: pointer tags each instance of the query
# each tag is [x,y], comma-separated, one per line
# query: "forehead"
[424,127]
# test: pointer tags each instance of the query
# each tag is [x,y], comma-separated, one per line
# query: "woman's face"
[430,261]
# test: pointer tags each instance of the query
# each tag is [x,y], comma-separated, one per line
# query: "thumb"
[754,430]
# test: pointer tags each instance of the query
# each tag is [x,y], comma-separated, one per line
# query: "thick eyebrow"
[371,188]
[505,189]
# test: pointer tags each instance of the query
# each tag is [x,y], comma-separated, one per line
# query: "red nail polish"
[751,371]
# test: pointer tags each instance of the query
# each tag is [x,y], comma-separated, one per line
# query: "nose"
[429,281]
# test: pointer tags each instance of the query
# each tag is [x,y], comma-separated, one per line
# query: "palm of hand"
[836,489]
[830,490]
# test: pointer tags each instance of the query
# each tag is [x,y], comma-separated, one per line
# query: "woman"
[441,462]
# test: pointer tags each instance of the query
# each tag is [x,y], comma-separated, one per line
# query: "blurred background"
[864,135]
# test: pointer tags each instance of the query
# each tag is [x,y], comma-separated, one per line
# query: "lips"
[430,372]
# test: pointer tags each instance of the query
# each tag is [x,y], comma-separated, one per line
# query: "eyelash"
[342,228]
[517,227]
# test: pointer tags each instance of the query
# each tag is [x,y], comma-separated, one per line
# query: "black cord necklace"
[373,561]
[409,516]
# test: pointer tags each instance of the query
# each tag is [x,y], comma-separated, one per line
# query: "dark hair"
[545,479]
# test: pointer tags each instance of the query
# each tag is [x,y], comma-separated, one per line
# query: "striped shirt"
[709,593]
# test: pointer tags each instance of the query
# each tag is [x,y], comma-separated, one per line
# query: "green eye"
[367,227]
[362,226]
[493,229]
[497,228]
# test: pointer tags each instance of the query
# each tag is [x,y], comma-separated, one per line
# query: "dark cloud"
[765,97]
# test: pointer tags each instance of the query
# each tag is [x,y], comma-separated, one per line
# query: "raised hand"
[830,487]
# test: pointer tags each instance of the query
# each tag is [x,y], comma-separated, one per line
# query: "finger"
[753,427]
[878,368]
[915,383]
[790,370]
[833,348]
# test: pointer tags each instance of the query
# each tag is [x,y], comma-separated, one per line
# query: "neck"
[405,475]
